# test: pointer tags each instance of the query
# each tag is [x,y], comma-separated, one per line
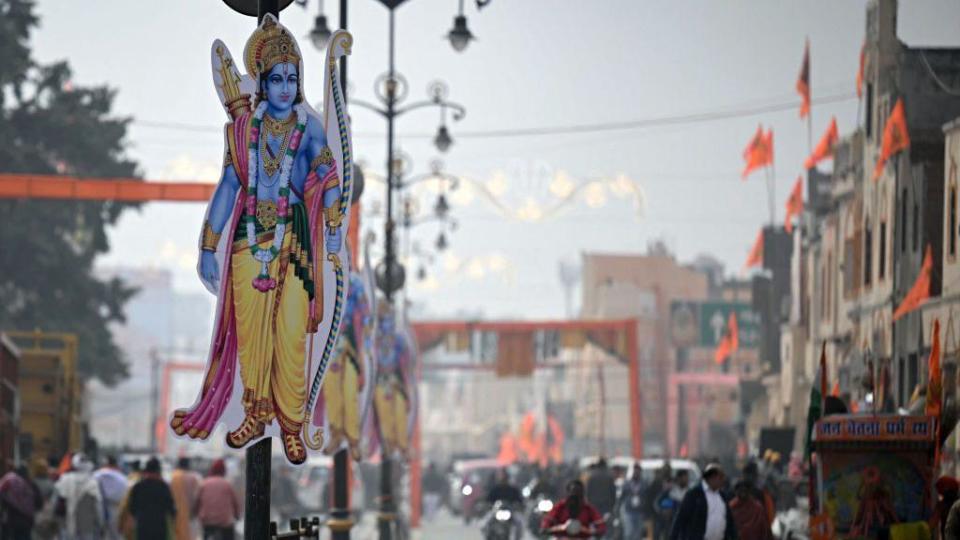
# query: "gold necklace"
[277,128]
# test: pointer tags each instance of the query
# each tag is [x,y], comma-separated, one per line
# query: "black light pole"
[341,522]
[256,523]
[391,274]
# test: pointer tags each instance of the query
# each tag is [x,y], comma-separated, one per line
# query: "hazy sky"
[535,63]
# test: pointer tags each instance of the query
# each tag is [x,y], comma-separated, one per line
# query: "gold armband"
[333,216]
[325,157]
[210,239]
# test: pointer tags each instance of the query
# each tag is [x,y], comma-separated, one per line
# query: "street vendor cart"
[873,476]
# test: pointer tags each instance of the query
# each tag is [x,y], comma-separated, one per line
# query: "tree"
[48,125]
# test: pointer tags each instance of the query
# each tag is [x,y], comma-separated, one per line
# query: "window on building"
[869,111]
[882,264]
[952,231]
[829,284]
[913,376]
[903,221]
[916,226]
[823,289]
[901,381]
[867,253]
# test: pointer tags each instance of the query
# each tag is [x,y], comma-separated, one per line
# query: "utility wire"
[692,118]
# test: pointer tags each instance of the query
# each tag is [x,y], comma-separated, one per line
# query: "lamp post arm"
[369,106]
[427,176]
[459,111]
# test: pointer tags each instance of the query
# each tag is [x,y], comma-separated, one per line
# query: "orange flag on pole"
[824,148]
[920,290]
[803,82]
[896,138]
[836,389]
[730,341]
[934,378]
[794,204]
[759,152]
[863,62]
[755,258]
[508,449]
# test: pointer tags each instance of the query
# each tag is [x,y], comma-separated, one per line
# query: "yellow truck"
[51,393]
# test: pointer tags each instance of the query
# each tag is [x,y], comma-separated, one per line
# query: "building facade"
[864,234]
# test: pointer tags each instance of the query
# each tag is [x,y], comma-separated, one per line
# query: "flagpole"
[772,193]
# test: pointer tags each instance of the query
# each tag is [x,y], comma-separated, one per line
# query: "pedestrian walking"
[184,484]
[113,487]
[218,506]
[749,516]
[151,504]
[662,483]
[670,498]
[630,505]
[601,488]
[703,513]
[19,502]
[948,492]
[78,500]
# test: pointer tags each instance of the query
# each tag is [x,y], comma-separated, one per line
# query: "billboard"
[702,324]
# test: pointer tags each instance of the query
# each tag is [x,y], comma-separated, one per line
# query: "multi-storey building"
[864,235]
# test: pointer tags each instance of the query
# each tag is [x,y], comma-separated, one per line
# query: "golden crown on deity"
[269,45]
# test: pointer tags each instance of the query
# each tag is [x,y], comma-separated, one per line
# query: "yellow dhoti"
[341,391]
[271,337]
[391,406]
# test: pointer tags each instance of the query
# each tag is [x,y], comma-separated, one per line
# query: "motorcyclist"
[507,494]
[544,487]
[573,517]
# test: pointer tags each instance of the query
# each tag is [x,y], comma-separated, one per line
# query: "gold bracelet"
[210,239]
[333,217]
[325,157]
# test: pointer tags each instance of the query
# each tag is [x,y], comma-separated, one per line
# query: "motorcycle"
[500,523]
[539,508]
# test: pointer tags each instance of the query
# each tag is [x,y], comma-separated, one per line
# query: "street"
[443,525]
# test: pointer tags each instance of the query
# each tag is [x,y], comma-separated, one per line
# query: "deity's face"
[280,87]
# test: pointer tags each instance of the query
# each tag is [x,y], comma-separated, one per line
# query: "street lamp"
[320,34]
[460,36]
[443,140]
[441,207]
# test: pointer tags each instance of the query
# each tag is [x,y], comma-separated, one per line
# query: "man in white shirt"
[703,513]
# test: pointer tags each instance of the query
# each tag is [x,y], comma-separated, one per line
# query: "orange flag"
[836,389]
[803,82]
[794,204]
[863,62]
[756,253]
[824,148]
[895,137]
[934,377]
[759,152]
[920,290]
[730,341]
[508,449]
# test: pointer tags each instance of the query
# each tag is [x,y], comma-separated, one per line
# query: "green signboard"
[702,324]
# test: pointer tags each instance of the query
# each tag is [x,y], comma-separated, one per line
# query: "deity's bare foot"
[293,447]
[248,430]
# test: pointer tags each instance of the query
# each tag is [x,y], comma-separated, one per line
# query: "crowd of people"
[669,506]
[78,501]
